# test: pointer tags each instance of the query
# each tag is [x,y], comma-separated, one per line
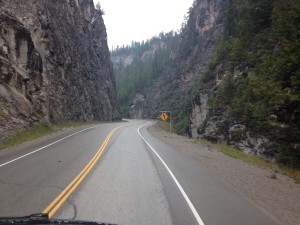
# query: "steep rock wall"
[54,64]
[216,126]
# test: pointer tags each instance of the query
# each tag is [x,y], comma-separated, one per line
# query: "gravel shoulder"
[278,197]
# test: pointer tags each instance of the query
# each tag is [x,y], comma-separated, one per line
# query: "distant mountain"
[54,64]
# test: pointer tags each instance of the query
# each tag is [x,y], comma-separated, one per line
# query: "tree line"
[148,62]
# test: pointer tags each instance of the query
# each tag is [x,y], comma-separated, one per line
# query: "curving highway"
[117,173]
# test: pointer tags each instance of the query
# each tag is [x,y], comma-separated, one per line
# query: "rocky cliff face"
[54,64]
[216,126]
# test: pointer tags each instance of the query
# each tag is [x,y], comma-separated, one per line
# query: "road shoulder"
[10,153]
[279,197]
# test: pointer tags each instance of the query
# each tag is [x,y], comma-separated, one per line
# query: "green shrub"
[36,131]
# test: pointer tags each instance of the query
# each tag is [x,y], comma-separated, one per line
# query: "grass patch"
[72,124]
[293,173]
[273,175]
[238,154]
[37,131]
[254,160]
[164,125]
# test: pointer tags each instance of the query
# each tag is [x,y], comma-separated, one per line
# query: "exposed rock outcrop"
[54,64]
[137,106]
[217,127]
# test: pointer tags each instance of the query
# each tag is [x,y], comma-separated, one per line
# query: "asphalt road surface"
[118,173]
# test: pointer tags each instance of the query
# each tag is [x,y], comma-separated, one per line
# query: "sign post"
[164,116]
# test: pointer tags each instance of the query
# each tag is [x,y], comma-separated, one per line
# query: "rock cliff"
[54,64]
[218,127]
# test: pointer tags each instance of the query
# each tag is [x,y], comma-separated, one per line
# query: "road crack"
[29,186]
[74,208]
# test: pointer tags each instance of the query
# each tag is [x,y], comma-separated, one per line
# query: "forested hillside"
[258,60]
[231,75]
[137,66]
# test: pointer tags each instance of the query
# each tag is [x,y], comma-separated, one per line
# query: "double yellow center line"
[63,196]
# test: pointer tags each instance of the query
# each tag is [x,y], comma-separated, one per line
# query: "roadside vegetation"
[254,160]
[19,137]
[164,125]
[37,131]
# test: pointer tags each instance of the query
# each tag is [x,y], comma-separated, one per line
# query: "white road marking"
[37,150]
[194,211]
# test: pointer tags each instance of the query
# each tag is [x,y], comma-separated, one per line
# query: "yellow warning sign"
[164,116]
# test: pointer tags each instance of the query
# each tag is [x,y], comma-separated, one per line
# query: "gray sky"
[137,20]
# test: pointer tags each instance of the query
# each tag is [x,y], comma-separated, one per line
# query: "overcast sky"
[137,20]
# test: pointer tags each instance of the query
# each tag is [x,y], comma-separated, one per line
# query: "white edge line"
[194,211]
[37,150]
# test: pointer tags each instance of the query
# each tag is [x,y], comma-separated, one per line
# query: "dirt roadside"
[279,197]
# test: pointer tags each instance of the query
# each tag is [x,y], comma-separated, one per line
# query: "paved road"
[118,173]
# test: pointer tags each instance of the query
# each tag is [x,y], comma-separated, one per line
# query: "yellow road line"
[63,196]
